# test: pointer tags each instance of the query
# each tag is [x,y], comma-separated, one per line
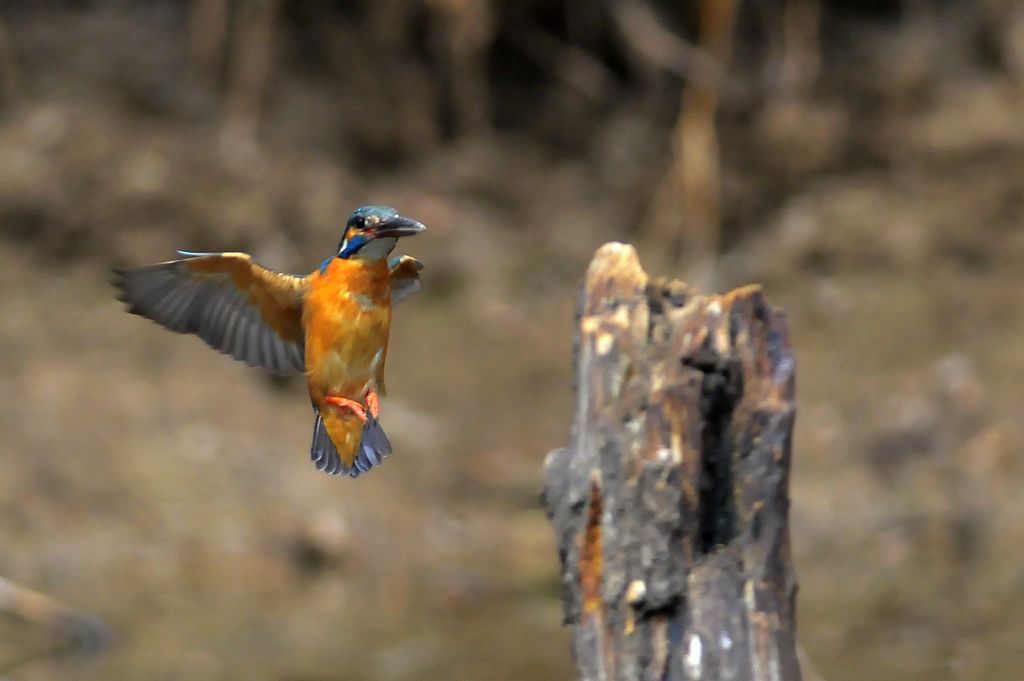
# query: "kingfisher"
[332,324]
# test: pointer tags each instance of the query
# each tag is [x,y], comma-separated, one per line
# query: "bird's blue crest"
[380,212]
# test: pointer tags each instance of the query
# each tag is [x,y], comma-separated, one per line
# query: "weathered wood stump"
[671,502]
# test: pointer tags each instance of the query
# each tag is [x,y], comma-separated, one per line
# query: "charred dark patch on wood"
[721,387]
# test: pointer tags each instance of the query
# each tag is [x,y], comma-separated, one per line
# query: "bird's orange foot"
[373,404]
[345,403]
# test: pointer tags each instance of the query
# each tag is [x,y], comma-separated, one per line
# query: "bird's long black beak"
[398,226]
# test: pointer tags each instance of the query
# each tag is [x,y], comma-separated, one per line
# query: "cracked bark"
[670,504]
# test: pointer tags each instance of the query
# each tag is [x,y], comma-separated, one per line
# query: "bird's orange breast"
[347,318]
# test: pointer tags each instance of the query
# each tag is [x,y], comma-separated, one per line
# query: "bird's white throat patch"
[377,249]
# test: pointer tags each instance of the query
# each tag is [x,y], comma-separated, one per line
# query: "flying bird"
[333,324]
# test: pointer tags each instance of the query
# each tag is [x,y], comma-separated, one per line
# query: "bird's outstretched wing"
[236,306]
[405,277]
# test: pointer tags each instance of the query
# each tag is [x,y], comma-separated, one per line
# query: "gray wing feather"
[405,277]
[213,310]
[400,290]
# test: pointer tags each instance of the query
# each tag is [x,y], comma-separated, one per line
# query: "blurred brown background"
[864,160]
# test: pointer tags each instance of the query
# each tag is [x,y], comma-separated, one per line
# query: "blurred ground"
[166,489]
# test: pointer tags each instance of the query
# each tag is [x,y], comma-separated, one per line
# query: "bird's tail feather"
[370,449]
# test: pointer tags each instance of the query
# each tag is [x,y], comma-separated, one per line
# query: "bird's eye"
[360,223]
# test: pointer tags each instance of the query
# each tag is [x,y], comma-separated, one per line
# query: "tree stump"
[671,502]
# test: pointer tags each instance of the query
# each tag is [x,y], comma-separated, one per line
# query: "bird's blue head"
[373,231]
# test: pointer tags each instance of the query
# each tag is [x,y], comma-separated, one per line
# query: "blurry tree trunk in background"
[1006,20]
[670,504]
[249,69]
[686,211]
[801,48]
[69,629]
[412,91]
[641,29]
[799,132]
[208,31]
[462,37]
[10,75]
[1013,40]
[575,67]
[655,48]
